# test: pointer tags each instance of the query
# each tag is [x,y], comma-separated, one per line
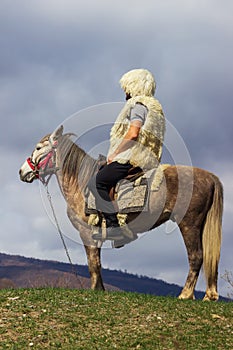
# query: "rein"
[73,270]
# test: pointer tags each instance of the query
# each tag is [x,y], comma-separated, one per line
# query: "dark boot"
[111,220]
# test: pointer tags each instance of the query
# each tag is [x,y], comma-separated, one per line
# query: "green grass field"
[73,319]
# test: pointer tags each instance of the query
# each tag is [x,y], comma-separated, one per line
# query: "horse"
[189,196]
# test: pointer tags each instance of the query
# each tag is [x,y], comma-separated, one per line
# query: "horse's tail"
[212,234]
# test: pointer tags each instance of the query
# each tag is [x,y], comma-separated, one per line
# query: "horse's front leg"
[94,265]
[93,258]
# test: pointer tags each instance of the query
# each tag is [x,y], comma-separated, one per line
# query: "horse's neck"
[75,169]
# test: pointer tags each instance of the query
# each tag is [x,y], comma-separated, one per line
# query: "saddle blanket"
[132,196]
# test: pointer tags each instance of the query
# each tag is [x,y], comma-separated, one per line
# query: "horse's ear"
[56,134]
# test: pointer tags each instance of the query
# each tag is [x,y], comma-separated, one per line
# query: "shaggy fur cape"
[147,149]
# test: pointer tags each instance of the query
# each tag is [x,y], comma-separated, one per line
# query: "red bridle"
[32,166]
[44,167]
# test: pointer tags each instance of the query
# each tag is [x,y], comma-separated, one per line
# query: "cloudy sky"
[62,56]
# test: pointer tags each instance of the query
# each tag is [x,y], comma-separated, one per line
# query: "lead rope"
[73,270]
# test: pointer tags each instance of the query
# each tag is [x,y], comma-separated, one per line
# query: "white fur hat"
[138,82]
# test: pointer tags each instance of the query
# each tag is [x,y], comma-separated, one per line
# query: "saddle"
[130,195]
[119,193]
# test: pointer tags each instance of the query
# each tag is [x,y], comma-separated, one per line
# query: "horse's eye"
[38,148]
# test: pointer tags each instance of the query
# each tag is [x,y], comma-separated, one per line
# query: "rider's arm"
[128,140]
[137,119]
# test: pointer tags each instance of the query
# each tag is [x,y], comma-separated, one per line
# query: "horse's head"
[43,158]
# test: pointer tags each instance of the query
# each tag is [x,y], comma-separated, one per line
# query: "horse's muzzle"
[26,176]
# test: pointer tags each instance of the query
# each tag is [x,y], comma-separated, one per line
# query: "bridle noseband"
[32,166]
[46,166]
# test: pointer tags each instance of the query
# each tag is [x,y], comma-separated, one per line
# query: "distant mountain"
[20,272]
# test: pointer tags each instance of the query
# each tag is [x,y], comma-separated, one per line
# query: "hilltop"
[83,319]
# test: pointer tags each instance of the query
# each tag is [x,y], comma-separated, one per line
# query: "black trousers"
[101,184]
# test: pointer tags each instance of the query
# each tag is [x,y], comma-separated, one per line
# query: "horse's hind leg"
[211,292]
[192,240]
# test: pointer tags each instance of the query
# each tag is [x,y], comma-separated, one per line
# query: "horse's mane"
[76,165]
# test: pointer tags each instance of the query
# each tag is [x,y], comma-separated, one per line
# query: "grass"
[73,319]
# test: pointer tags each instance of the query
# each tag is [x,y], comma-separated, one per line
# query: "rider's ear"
[56,134]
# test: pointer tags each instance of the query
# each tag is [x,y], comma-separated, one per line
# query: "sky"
[61,57]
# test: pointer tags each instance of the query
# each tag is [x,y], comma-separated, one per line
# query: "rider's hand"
[110,158]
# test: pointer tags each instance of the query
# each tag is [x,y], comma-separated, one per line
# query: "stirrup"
[110,233]
[122,242]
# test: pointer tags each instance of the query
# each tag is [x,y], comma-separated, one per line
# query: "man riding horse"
[190,196]
[136,141]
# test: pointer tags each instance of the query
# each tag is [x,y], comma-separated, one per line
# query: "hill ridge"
[25,272]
